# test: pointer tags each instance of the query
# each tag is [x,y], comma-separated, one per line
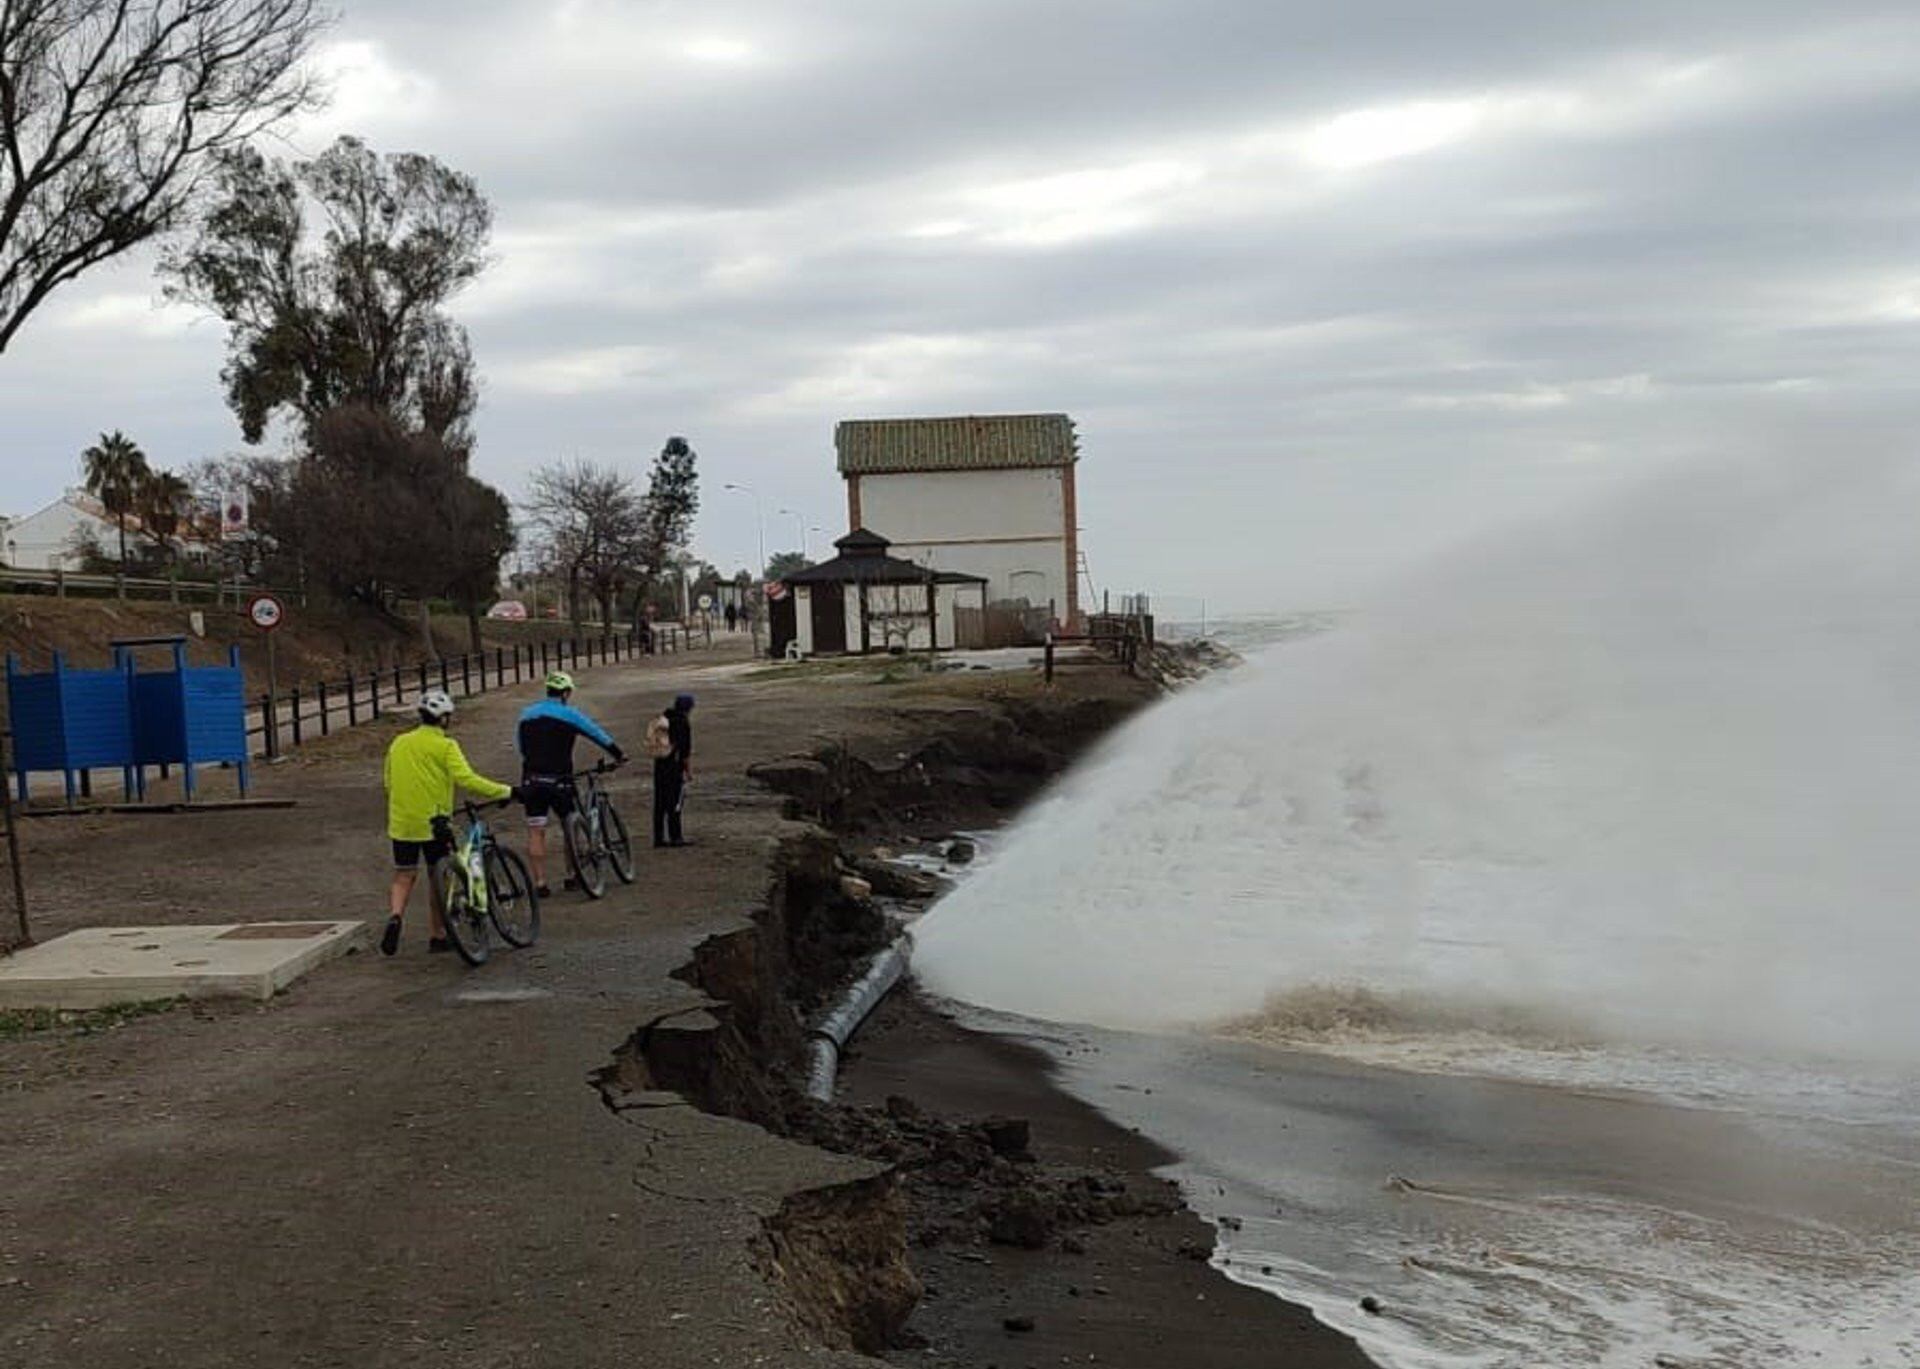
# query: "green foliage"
[784,563]
[673,497]
[350,314]
[116,471]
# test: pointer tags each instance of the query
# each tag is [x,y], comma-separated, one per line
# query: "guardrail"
[176,589]
[284,720]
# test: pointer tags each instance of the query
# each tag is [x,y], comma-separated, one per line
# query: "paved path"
[401,1162]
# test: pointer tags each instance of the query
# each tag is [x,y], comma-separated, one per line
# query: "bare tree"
[111,114]
[594,523]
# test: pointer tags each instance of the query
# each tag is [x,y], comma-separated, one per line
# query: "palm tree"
[162,506]
[116,470]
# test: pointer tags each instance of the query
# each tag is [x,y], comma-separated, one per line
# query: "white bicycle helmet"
[436,705]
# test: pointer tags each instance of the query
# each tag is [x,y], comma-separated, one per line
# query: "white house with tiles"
[990,496]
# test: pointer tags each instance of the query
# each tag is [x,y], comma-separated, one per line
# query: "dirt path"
[401,1161]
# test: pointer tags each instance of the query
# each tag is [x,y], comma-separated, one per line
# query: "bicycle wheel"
[613,831]
[512,903]
[466,924]
[589,867]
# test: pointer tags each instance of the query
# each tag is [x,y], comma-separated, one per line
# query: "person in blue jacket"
[548,730]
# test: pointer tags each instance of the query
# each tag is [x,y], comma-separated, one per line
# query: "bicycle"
[479,883]
[596,835]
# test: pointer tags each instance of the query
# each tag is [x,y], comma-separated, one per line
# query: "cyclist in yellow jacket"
[423,768]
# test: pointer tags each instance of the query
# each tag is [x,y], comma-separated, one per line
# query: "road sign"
[706,602]
[266,612]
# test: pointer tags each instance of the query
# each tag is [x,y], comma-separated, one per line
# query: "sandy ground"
[403,1161]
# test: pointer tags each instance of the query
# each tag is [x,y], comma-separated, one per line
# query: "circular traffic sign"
[266,612]
[706,602]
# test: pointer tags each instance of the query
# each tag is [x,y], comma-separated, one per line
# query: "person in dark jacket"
[671,771]
[548,730]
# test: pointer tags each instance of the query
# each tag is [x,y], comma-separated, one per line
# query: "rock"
[1021,1218]
[856,888]
[902,1109]
[896,881]
[1196,1250]
[960,851]
[1019,1323]
[1009,1136]
[1370,1305]
[804,779]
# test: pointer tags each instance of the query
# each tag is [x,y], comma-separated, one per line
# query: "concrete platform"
[101,966]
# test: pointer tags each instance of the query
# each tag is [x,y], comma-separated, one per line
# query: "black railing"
[278,722]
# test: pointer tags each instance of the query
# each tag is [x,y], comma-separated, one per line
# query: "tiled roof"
[876,446]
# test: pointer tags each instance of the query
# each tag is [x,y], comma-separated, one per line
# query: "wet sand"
[1137,1292]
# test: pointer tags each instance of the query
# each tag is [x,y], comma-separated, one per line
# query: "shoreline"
[1131,1287]
[1038,1226]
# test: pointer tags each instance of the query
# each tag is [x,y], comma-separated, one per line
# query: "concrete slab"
[101,966]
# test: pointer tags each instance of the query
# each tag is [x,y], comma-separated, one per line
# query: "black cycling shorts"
[542,797]
[408,854]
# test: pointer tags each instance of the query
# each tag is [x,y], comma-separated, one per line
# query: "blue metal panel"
[159,720]
[216,714]
[33,703]
[98,718]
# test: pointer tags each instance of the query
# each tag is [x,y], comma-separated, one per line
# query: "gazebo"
[865,600]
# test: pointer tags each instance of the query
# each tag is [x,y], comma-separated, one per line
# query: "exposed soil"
[315,643]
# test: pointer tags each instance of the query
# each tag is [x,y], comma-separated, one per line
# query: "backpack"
[660,738]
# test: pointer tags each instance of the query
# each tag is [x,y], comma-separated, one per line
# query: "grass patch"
[16,1023]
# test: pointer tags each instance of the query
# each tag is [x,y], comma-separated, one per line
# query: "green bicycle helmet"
[559,683]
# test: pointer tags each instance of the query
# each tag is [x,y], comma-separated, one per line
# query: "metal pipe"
[829,1036]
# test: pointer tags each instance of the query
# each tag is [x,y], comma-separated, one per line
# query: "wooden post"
[293,699]
[423,677]
[270,723]
[119,584]
[13,843]
[173,583]
[353,706]
[466,674]
[59,583]
[1049,674]
[500,667]
[321,689]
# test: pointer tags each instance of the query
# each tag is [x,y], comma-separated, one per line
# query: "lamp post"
[799,526]
[760,522]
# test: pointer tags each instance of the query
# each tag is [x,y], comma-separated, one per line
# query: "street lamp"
[800,526]
[760,522]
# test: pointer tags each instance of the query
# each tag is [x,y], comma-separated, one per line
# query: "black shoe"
[439,945]
[544,891]
[390,939]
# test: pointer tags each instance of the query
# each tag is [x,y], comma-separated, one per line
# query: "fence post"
[499,667]
[1049,677]
[13,844]
[321,690]
[59,583]
[423,677]
[173,583]
[446,685]
[270,723]
[543,655]
[353,705]
[293,701]
[119,584]
[466,674]
[396,684]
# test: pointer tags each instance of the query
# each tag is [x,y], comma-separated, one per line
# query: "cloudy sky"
[1325,287]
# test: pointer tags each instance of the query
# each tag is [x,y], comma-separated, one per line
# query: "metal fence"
[178,589]
[292,717]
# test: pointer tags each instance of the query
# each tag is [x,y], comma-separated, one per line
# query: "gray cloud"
[1326,287]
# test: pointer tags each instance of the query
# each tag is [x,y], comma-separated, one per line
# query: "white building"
[866,601]
[49,538]
[987,496]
